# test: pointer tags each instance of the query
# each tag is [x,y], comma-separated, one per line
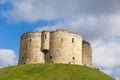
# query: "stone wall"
[30,49]
[58,46]
[45,37]
[65,47]
[87,53]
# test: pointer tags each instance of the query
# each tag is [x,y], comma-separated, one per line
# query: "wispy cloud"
[34,10]
[91,27]
[106,53]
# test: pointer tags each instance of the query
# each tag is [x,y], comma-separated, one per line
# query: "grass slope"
[51,72]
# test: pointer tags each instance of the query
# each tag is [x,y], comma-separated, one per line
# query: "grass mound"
[52,72]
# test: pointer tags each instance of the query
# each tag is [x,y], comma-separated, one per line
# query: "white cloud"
[58,25]
[7,57]
[96,27]
[106,54]
[91,27]
[34,10]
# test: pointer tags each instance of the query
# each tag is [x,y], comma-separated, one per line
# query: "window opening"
[45,50]
[50,57]
[30,40]
[72,40]
[73,58]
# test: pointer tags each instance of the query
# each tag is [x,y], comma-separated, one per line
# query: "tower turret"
[30,48]
[45,41]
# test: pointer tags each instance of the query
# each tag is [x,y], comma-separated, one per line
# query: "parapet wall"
[58,46]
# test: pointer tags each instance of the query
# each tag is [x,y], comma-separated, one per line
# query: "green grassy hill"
[51,72]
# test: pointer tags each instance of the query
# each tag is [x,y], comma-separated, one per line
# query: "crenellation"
[60,46]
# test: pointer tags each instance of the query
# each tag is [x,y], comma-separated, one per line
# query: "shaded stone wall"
[87,53]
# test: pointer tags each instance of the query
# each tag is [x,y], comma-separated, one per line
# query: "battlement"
[30,34]
[60,46]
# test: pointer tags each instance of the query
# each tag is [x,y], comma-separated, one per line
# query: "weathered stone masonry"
[58,46]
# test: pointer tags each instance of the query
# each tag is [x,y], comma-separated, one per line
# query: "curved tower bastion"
[58,46]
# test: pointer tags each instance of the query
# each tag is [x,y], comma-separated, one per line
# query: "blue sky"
[98,21]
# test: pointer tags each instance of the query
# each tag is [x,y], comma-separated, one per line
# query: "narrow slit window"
[30,40]
[73,58]
[50,57]
[72,40]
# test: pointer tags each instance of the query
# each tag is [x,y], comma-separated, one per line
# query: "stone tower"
[58,46]
[86,53]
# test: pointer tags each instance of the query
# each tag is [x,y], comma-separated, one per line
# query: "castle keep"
[58,46]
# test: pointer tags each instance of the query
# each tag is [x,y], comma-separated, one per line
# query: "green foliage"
[52,72]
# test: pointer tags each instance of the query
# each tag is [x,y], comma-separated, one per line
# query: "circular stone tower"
[65,47]
[58,46]
[30,46]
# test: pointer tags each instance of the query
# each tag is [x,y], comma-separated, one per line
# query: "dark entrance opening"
[45,50]
[50,57]
[73,58]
